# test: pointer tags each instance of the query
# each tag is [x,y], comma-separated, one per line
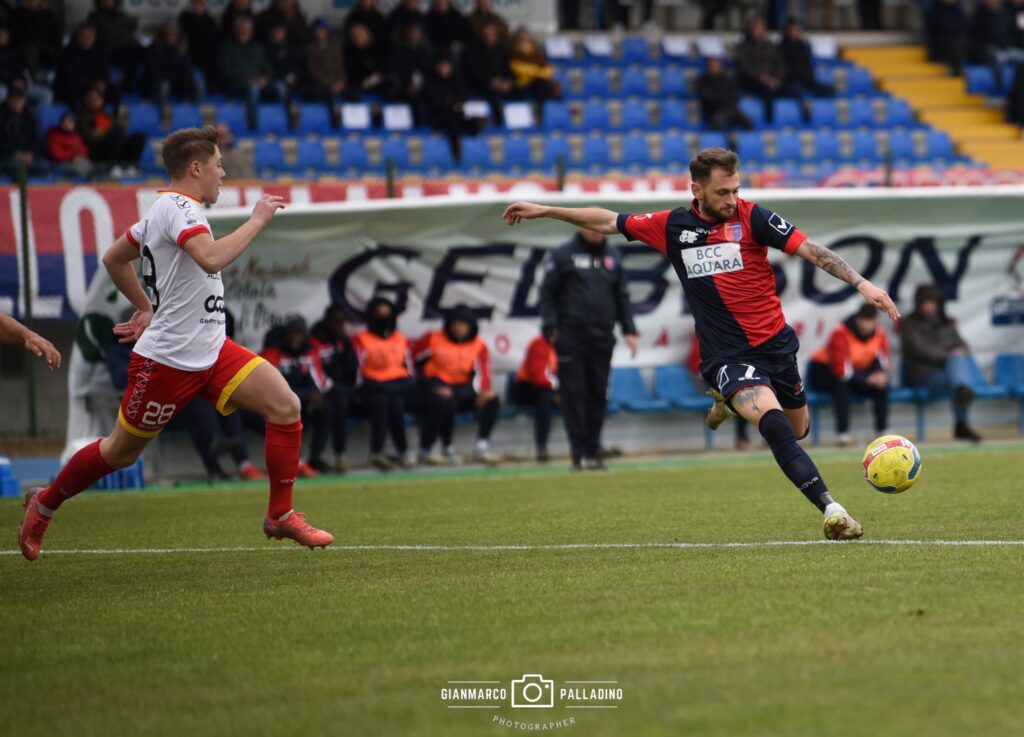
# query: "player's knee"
[285,408]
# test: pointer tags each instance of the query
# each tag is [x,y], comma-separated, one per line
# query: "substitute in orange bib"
[456,377]
[855,359]
[386,383]
[181,348]
[536,386]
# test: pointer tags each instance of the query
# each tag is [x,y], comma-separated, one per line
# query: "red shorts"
[157,392]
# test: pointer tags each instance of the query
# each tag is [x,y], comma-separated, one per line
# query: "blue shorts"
[777,371]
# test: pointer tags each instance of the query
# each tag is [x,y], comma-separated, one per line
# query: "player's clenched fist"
[518,211]
[266,207]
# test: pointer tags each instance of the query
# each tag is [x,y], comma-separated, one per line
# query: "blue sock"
[792,459]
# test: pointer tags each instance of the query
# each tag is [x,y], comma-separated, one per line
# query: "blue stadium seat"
[633,82]
[555,148]
[476,155]
[788,148]
[635,50]
[898,113]
[858,82]
[314,117]
[436,155]
[271,119]
[1010,374]
[712,139]
[310,156]
[49,116]
[753,108]
[628,390]
[824,113]
[750,146]
[596,156]
[672,82]
[636,154]
[564,81]
[595,116]
[940,146]
[148,161]
[861,114]
[396,151]
[517,154]
[675,385]
[675,151]
[144,117]
[981,80]
[268,158]
[595,82]
[233,115]
[673,115]
[556,115]
[635,116]
[826,146]
[185,115]
[865,148]
[901,146]
[825,74]
[786,113]
[981,386]
[353,157]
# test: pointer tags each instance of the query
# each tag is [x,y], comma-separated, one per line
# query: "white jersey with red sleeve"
[187,330]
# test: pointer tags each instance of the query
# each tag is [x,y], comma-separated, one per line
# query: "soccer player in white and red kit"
[718,246]
[182,351]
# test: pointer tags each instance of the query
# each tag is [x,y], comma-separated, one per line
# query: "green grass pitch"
[818,639]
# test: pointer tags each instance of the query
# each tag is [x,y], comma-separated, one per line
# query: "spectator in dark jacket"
[406,13]
[290,350]
[760,68]
[1017,11]
[487,69]
[798,61]
[202,38]
[37,32]
[936,357]
[236,9]
[444,99]
[66,147]
[81,66]
[19,132]
[285,59]
[363,63]
[245,71]
[167,69]
[409,64]
[108,141]
[1015,97]
[446,27]
[720,98]
[946,27]
[366,13]
[115,36]
[482,15]
[325,71]
[338,358]
[12,63]
[993,35]
[288,14]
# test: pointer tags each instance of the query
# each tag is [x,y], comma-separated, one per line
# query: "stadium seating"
[314,119]
[476,156]
[271,119]
[185,115]
[627,389]
[145,118]
[268,157]
[234,116]
[676,385]
[1009,373]
[310,156]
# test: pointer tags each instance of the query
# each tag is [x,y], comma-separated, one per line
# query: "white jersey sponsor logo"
[187,331]
[714,258]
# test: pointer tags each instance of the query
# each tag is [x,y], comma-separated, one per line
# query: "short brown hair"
[715,157]
[183,147]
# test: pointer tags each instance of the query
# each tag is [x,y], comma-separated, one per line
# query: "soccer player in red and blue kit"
[719,248]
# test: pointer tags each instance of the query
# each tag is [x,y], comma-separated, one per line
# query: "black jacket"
[337,356]
[584,289]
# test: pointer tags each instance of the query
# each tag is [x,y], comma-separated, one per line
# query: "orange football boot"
[294,527]
[33,526]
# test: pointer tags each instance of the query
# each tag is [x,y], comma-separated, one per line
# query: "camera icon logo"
[533,691]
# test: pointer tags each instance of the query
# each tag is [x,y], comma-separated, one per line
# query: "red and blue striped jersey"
[724,269]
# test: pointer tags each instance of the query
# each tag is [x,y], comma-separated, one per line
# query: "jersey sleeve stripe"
[620,223]
[192,232]
[131,238]
[796,239]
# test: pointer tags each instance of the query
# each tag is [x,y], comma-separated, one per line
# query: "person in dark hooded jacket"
[855,359]
[338,357]
[456,377]
[936,357]
[386,383]
[288,348]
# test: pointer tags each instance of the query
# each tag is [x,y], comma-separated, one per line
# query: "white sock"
[834,507]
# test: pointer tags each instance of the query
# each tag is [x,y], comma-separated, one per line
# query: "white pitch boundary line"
[561,546]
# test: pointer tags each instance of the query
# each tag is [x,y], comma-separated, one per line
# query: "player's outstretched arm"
[12,331]
[594,218]
[832,263]
[213,255]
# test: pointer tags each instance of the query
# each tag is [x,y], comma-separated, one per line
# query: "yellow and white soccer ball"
[892,464]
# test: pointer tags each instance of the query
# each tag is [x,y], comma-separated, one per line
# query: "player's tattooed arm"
[832,263]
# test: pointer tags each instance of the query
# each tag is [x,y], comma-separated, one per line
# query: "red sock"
[281,453]
[84,469]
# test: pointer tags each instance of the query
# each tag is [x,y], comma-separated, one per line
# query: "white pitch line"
[559,546]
